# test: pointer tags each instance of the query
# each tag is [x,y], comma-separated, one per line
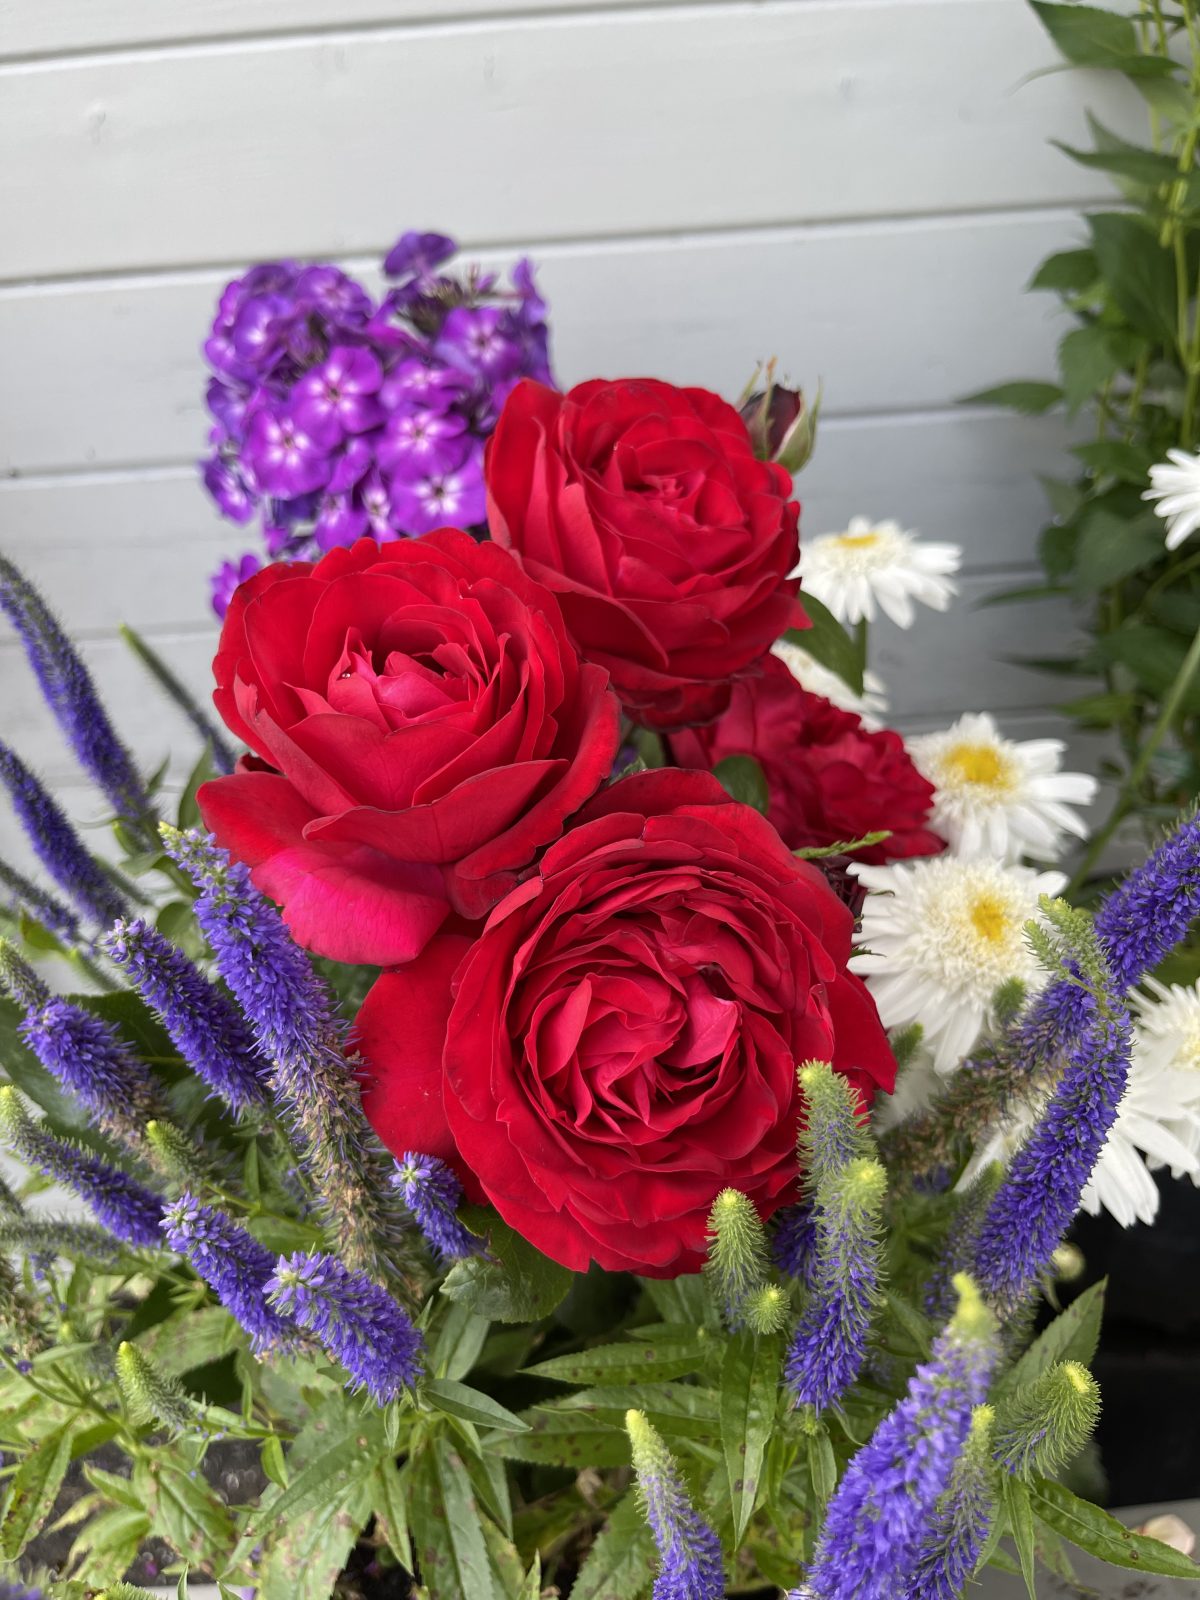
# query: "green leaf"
[1152,655]
[1029,398]
[508,1574]
[1013,597]
[1126,161]
[621,1564]
[1138,271]
[273,1464]
[1098,710]
[390,1500]
[446,1527]
[682,1409]
[35,1486]
[518,1284]
[185,1510]
[828,642]
[749,1398]
[460,1339]
[685,1299]
[1111,546]
[843,847]
[1015,1497]
[822,1464]
[458,1400]
[1091,37]
[1093,1530]
[305,1555]
[914,1322]
[743,779]
[630,1362]
[564,1438]
[1088,358]
[1072,1336]
[1129,463]
[193,1339]
[1067,272]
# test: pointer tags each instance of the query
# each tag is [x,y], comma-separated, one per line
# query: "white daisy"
[817,679]
[1175,484]
[940,937]
[878,564]
[1167,1039]
[996,796]
[918,1085]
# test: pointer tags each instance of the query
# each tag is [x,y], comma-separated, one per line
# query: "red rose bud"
[668,544]
[619,1044]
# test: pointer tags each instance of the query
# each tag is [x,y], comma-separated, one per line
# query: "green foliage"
[743,779]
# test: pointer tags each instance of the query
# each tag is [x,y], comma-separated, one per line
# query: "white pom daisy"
[1167,1041]
[941,937]
[817,679]
[1175,484]
[996,796]
[878,564]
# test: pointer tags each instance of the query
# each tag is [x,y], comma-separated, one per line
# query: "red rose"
[425,726]
[625,1032]
[667,542]
[829,779]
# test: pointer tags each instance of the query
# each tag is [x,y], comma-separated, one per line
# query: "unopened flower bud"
[737,1256]
[1049,1421]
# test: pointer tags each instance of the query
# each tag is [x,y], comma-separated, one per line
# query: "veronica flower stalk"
[30,898]
[83,1052]
[830,1343]
[68,690]
[963,1519]
[690,1564]
[47,1237]
[294,1026]
[1048,1422]
[21,1332]
[56,844]
[359,1324]
[153,1396]
[794,1242]
[884,1511]
[234,1265]
[204,1025]
[129,1211]
[433,1195]
[736,1267]
[958,1250]
[832,1133]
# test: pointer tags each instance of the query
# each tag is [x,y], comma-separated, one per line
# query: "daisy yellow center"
[990,917]
[982,765]
[857,541]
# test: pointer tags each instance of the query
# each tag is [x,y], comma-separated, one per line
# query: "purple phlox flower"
[963,1519]
[425,384]
[56,844]
[480,339]
[284,456]
[234,1265]
[351,466]
[690,1564]
[37,902]
[1040,1194]
[339,522]
[794,1242]
[457,498]
[340,396]
[336,296]
[359,1324]
[68,690]
[227,577]
[433,1194]
[415,255]
[418,443]
[129,1211]
[377,503]
[224,481]
[204,1026]
[882,1512]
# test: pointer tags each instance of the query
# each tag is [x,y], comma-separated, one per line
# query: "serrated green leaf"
[460,1339]
[1091,37]
[458,1400]
[822,1464]
[630,1362]
[1128,463]
[34,1487]
[827,641]
[1072,1336]
[390,1502]
[749,1400]
[1138,272]
[1030,399]
[514,1283]
[305,1555]
[1111,547]
[914,1322]
[1127,161]
[685,1300]
[185,1510]
[446,1527]
[1015,1499]
[1066,272]
[681,1409]
[1088,1528]
[1087,357]
[743,779]
[621,1564]
[508,1571]
[1152,655]
[564,1438]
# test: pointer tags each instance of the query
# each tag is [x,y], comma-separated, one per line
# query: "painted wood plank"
[44,27]
[890,315]
[584,126]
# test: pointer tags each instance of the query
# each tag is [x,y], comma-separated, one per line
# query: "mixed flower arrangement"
[483,1088]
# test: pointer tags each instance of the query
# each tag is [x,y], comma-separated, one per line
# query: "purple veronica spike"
[129,1211]
[881,1513]
[68,690]
[433,1194]
[1041,1191]
[359,1323]
[234,1265]
[18,1591]
[689,1551]
[962,1522]
[830,1343]
[204,1026]
[794,1242]
[51,913]
[56,844]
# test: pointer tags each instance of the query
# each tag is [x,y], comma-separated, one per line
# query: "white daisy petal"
[878,564]
[1175,484]
[870,705]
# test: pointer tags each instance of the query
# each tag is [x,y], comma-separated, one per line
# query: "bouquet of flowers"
[482,1089]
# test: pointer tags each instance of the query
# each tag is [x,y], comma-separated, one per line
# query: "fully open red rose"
[828,778]
[625,1033]
[424,726]
[667,543]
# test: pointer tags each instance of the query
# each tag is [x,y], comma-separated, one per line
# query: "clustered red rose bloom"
[829,779]
[668,543]
[620,1042]
[423,726]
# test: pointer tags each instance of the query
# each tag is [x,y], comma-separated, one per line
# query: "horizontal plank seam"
[15,62]
[766,232]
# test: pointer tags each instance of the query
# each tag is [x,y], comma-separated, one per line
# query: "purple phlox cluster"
[336,416]
[234,1265]
[357,1322]
[794,1242]
[690,1563]
[130,1212]
[962,1522]
[830,1343]
[884,1511]
[69,692]
[433,1194]
[203,1024]
[37,902]
[1041,1191]
[56,844]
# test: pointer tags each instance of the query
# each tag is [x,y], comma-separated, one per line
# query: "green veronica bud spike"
[689,1551]
[176,1156]
[737,1257]
[151,1395]
[766,1310]
[831,1133]
[1048,1421]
